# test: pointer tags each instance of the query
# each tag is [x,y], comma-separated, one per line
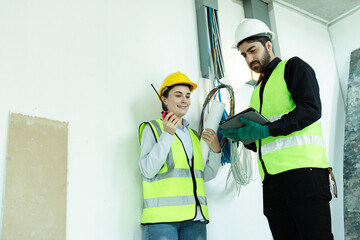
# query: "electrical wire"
[243,161]
[215,43]
[207,101]
[218,70]
[243,164]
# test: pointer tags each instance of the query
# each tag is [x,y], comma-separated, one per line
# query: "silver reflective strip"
[291,141]
[157,127]
[170,161]
[175,173]
[202,200]
[275,117]
[195,133]
[172,201]
[199,173]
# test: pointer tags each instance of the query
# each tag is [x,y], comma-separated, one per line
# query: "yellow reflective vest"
[174,193]
[300,149]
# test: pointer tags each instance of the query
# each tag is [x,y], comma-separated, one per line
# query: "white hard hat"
[251,27]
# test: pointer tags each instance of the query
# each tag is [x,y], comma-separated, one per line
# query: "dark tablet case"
[250,114]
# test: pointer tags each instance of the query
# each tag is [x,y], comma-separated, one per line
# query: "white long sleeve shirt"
[154,154]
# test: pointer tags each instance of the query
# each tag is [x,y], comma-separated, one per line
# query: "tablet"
[250,114]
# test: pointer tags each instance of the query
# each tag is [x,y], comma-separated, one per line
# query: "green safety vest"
[174,193]
[300,149]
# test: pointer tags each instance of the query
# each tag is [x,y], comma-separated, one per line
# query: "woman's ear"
[164,99]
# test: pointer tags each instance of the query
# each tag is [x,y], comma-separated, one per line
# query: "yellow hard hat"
[176,78]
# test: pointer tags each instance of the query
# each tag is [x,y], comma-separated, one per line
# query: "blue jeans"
[189,230]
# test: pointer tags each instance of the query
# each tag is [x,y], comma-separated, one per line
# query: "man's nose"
[249,58]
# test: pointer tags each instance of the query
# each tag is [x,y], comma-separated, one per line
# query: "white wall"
[345,37]
[301,36]
[90,63]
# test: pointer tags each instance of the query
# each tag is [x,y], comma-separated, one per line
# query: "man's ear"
[269,46]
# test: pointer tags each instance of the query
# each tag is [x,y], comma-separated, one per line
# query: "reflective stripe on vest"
[300,149]
[169,196]
[172,201]
[176,173]
[290,141]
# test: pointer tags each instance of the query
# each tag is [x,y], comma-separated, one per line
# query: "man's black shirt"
[304,89]
[302,84]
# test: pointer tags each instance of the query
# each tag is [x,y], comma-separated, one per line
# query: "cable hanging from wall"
[242,160]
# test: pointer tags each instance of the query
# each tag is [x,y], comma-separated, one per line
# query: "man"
[292,159]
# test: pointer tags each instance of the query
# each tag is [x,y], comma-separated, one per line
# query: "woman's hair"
[166,90]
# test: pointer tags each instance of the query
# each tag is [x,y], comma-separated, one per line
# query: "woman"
[173,170]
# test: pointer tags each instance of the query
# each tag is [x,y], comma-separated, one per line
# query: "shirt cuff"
[215,154]
[215,157]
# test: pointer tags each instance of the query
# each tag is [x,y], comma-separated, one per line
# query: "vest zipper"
[266,176]
[193,178]
[194,181]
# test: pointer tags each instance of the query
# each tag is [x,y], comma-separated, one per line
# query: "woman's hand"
[210,137]
[170,123]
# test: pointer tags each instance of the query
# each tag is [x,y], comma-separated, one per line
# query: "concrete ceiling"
[327,11]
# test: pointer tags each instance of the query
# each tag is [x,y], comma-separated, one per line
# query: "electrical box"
[203,33]
[257,9]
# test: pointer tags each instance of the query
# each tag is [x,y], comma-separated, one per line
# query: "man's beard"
[262,64]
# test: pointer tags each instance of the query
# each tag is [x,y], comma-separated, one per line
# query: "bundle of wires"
[224,142]
[242,160]
[215,42]
[218,70]
[243,164]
